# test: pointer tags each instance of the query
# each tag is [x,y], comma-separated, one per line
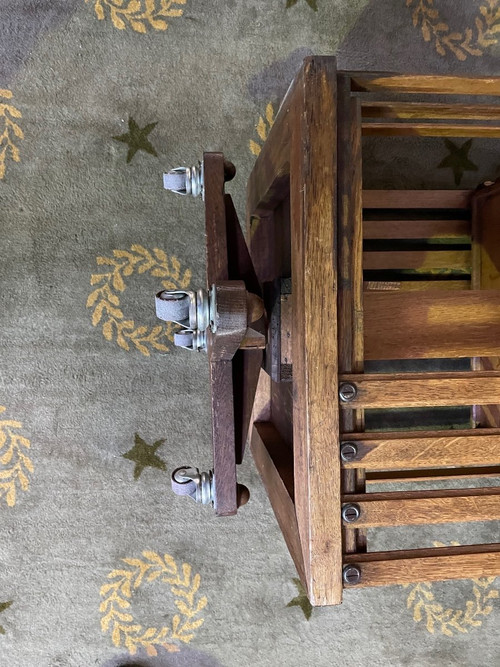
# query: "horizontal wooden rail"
[417,199]
[429,130]
[431,324]
[384,568]
[421,260]
[425,507]
[416,229]
[415,285]
[429,110]
[431,474]
[420,390]
[444,85]
[424,449]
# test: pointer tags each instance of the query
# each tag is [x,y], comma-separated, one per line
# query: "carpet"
[100,564]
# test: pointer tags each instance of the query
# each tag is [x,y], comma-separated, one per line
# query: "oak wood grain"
[420,260]
[390,451]
[401,390]
[430,130]
[425,507]
[432,474]
[417,199]
[314,303]
[416,229]
[430,110]
[432,324]
[431,83]
[388,568]
[415,285]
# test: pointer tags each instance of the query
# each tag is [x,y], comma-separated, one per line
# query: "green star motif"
[3,607]
[312,4]
[144,456]
[137,139]
[458,159]
[301,600]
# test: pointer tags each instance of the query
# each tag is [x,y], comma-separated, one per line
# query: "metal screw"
[351,513]
[351,574]
[347,392]
[348,451]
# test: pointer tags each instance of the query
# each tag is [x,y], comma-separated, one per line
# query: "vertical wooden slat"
[314,301]
[350,268]
[486,274]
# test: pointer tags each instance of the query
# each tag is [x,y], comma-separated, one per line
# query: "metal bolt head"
[351,574]
[347,392]
[350,513]
[348,451]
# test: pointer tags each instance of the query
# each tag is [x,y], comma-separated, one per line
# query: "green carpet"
[100,564]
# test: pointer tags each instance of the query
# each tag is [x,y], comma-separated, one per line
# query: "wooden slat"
[314,302]
[444,85]
[221,380]
[415,285]
[430,110]
[412,508]
[416,229]
[432,474]
[274,461]
[421,260]
[430,130]
[486,272]
[350,268]
[424,449]
[431,324]
[215,218]
[417,199]
[385,568]
[420,390]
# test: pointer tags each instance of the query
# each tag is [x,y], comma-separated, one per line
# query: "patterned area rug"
[100,563]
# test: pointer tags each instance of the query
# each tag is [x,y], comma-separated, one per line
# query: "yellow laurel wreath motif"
[452,621]
[262,127]
[116,606]
[14,462]
[9,131]
[138,14]
[471,42]
[105,302]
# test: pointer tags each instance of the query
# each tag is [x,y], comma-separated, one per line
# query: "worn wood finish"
[430,130]
[315,414]
[432,474]
[221,381]
[387,568]
[416,229]
[412,508]
[415,285]
[350,268]
[429,110]
[420,390]
[420,260]
[424,449]
[486,272]
[432,324]
[416,199]
[414,83]
[215,218]
[274,461]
